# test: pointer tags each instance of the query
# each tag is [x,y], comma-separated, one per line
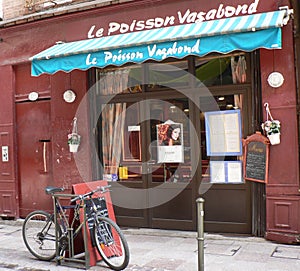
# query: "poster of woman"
[170,142]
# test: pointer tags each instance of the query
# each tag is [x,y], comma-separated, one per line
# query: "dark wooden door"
[34,155]
[162,188]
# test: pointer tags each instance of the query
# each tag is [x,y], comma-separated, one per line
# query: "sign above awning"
[245,33]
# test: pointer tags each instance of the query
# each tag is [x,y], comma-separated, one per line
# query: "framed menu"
[223,133]
[226,172]
[256,158]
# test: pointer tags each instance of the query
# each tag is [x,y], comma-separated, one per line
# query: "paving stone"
[286,252]
[221,249]
[165,263]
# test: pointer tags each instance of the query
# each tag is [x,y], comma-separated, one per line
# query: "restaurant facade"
[126,77]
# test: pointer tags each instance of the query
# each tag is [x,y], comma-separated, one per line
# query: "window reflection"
[211,72]
[222,71]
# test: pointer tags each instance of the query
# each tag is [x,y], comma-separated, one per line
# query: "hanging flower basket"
[74,138]
[73,147]
[274,139]
[271,127]
[272,131]
[73,141]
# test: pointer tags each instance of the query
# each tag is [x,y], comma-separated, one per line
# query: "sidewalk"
[161,250]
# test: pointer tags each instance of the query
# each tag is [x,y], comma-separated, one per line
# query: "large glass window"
[131,145]
[166,155]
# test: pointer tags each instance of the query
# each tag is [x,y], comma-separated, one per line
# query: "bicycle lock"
[200,233]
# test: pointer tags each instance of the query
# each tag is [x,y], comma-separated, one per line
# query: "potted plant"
[271,129]
[73,141]
[74,138]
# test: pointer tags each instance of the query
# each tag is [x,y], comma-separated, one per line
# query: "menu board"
[223,133]
[256,158]
[226,172]
[104,205]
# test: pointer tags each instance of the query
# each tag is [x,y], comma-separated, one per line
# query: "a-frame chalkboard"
[256,158]
[104,203]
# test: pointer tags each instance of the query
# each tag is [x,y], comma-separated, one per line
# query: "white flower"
[271,127]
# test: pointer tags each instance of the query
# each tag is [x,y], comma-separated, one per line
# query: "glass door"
[121,138]
[146,155]
[169,153]
[171,196]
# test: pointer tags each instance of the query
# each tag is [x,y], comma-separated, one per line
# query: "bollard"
[200,235]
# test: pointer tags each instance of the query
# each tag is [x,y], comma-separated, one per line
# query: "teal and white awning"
[245,33]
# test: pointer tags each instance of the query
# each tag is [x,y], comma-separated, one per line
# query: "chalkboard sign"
[104,205]
[101,209]
[256,158]
[89,209]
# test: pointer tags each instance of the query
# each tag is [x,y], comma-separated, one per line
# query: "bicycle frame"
[68,231]
[99,236]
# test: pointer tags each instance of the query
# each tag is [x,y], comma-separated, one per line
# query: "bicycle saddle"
[51,189]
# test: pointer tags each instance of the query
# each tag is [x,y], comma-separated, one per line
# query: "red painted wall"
[63,171]
[283,188]
[65,168]
[8,185]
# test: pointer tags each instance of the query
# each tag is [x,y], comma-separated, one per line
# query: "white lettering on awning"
[174,50]
[121,57]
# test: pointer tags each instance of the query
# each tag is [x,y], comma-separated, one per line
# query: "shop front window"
[159,144]
[135,148]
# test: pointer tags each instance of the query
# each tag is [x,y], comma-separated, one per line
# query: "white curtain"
[113,118]
[112,135]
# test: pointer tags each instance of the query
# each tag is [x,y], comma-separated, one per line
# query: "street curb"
[166,233]
[190,234]
[12,222]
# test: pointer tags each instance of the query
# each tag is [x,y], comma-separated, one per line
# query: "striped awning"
[245,33]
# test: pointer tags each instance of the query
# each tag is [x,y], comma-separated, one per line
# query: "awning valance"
[245,33]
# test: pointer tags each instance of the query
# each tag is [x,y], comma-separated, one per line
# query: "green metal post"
[200,234]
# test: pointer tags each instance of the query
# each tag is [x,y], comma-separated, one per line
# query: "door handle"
[45,143]
[44,156]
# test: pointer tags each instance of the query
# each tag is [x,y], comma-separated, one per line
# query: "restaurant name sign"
[182,17]
[155,51]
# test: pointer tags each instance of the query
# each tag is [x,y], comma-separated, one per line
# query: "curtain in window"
[112,135]
[238,67]
[113,82]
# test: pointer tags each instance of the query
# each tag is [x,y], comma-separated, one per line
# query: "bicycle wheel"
[38,233]
[111,243]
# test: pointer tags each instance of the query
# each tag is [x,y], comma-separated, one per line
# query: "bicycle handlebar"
[102,189]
